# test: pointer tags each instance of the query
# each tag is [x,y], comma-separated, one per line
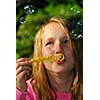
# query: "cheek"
[46,51]
[48,65]
[69,53]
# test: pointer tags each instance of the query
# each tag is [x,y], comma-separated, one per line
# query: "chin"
[60,70]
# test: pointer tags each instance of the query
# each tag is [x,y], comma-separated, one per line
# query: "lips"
[60,62]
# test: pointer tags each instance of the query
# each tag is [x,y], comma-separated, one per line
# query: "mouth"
[61,60]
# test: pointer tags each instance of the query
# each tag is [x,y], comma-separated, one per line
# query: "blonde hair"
[41,86]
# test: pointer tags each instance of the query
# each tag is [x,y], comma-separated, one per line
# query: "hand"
[22,71]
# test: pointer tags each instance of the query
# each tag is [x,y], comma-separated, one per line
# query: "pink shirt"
[30,94]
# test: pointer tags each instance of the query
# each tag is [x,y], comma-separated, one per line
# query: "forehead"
[54,28]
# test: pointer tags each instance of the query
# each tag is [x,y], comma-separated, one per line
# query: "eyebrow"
[65,37]
[48,39]
[52,39]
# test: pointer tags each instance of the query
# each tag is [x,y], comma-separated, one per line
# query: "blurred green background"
[31,14]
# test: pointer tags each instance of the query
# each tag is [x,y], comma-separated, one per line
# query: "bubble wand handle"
[51,58]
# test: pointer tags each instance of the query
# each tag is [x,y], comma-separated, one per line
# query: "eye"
[65,41]
[49,43]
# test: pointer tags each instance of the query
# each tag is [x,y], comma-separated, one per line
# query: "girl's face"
[54,41]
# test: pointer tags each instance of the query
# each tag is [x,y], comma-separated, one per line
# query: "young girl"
[60,80]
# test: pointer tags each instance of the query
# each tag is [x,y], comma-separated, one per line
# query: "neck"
[61,82]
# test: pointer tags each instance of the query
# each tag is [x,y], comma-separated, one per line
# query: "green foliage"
[26,32]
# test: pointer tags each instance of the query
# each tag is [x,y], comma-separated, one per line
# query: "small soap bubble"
[79,36]
[22,20]
[75,35]
[78,23]
[29,9]
[78,12]
[71,9]
[72,32]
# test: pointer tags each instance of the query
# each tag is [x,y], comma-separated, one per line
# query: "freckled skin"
[53,42]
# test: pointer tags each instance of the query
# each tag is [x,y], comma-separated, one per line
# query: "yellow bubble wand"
[51,58]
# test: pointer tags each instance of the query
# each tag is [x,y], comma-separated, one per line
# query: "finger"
[21,59]
[27,75]
[23,68]
[22,75]
[24,63]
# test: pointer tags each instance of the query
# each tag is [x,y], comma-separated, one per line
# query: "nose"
[58,47]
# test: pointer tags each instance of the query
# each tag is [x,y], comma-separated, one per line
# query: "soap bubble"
[29,9]
[79,23]
[79,36]
[71,8]
[74,10]
[77,31]
[73,31]
[22,20]
[78,12]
